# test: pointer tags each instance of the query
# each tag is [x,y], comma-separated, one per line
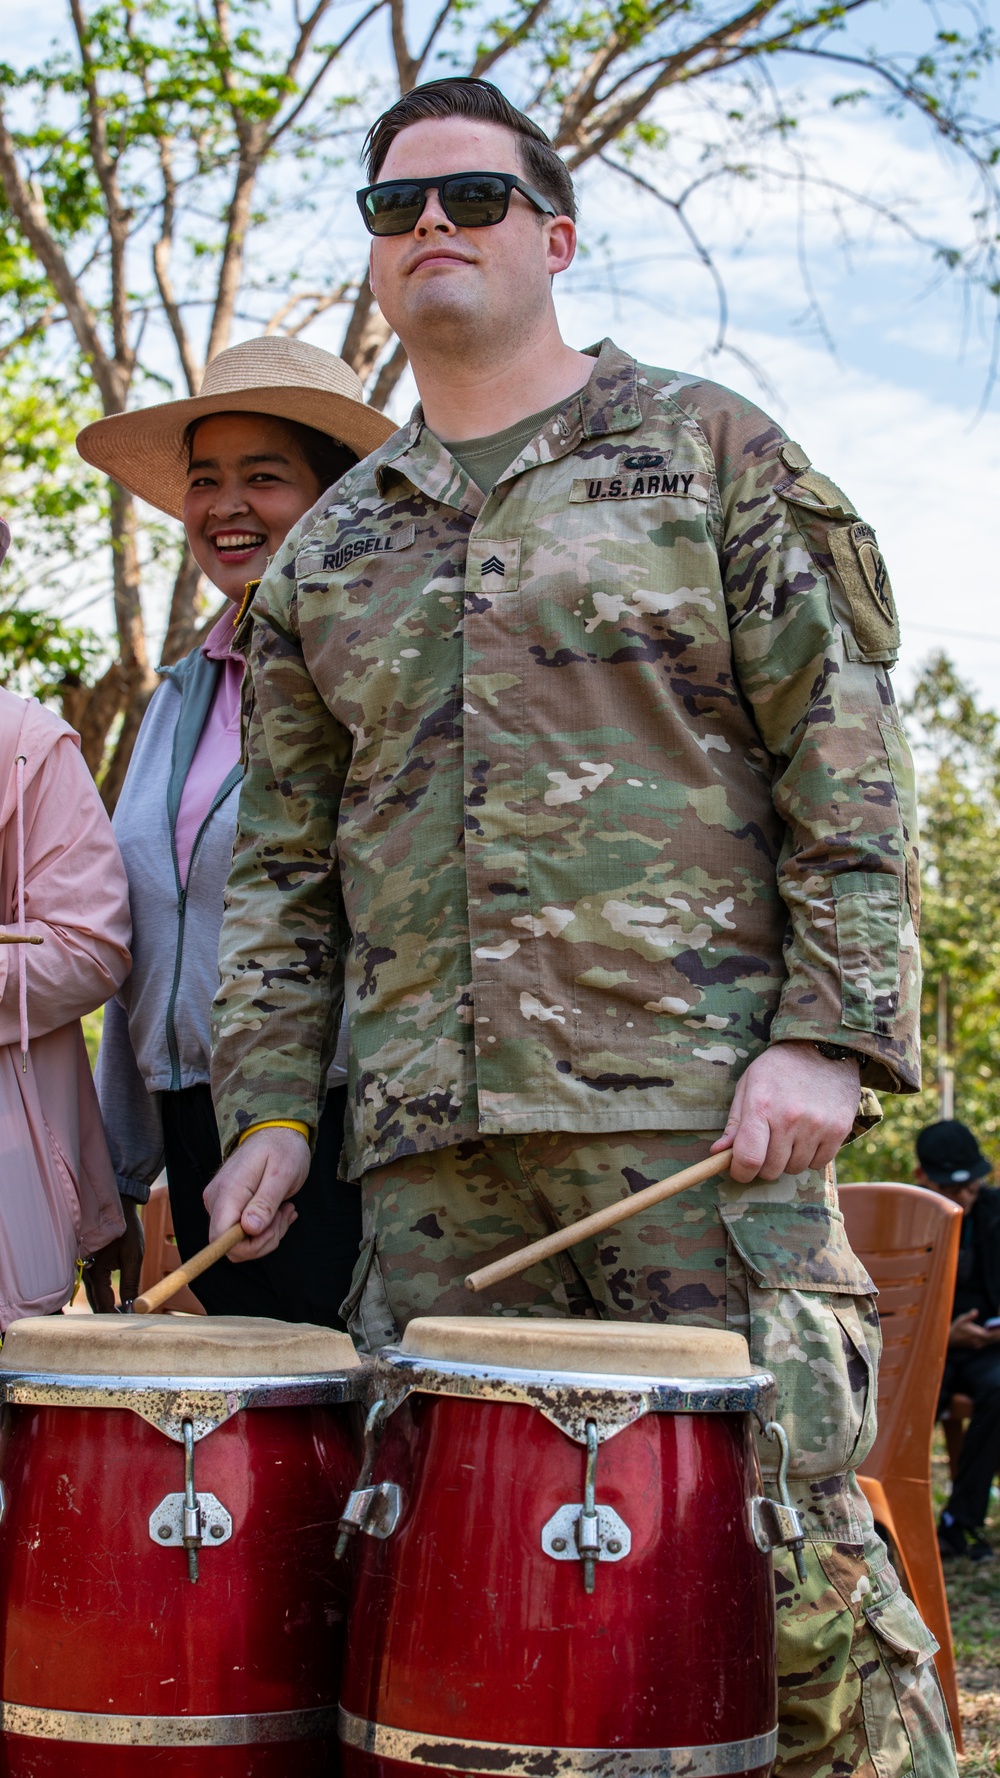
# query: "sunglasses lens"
[394,209]
[475,202]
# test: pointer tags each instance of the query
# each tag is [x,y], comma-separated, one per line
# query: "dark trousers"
[976,1374]
[309,1274]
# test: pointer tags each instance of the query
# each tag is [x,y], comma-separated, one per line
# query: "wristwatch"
[837,1052]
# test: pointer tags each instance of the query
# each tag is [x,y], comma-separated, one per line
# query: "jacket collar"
[608,403]
[195,678]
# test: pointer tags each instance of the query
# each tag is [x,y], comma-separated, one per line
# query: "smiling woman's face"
[248,484]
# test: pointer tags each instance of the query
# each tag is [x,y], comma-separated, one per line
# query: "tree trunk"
[183,624]
[367,333]
[91,710]
[140,692]
[138,678]
[388,377]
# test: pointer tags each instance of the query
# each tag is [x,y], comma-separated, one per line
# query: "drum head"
[173,1346]
[604,1348]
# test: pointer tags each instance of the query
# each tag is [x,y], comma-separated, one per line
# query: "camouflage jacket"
[590,787]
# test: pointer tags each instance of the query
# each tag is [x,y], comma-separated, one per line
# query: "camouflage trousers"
[858,1692]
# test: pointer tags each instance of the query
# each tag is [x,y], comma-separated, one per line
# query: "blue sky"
[879,378]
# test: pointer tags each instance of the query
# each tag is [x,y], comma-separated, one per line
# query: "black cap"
[950,1154]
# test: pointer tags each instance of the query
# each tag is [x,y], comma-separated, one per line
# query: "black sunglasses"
[469,200]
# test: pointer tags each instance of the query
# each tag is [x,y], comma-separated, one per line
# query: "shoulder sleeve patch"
[865,578]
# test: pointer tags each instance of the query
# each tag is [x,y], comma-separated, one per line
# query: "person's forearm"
[276,1014]
[843,791]
[132,1121]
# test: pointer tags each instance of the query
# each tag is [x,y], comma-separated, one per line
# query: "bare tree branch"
[367,333]
[388,377]
[320,301]
[431,38]
[162,250]
[182,624]
[406,64]
[30,332]
[904,89]
[677,206]
[30,214]
[107,173]
[489,58]
[324,68]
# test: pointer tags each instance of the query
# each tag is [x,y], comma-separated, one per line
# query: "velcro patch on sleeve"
[818,493]
[318,560]
[865,579]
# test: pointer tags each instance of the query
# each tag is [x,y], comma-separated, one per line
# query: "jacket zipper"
[182,899]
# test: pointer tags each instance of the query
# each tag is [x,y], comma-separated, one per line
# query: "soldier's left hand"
[791,1111]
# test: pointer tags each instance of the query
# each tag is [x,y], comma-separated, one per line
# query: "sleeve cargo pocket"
[813,1323]
[867,913]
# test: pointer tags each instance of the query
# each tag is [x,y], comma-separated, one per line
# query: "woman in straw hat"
[276,423]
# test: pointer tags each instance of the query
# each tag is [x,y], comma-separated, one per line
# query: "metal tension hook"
[587,1533]
[183,1521]
[374,1510]
[779,1522]
[192,1511]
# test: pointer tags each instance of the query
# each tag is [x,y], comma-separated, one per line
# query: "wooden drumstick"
[192,1268]
[601,1219]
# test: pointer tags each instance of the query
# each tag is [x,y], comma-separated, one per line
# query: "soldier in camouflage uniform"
[584,780]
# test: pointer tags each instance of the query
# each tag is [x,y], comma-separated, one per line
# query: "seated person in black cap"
[951,1161]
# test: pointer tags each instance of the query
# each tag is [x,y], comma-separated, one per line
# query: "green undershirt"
[485,459]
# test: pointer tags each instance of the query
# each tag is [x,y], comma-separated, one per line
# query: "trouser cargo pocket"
[365,1310]
[808,1309]
[904,1712]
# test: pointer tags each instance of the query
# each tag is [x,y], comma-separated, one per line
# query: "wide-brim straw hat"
[144,450]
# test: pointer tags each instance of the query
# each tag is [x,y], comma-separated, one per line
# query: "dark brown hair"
[464,96]
[326,457]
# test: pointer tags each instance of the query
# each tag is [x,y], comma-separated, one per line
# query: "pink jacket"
[58,1198]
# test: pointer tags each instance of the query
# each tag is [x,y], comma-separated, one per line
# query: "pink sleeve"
[76,898]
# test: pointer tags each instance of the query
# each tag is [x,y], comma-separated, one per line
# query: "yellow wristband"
[275,1123]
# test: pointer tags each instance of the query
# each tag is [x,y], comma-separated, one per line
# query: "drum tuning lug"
[184,1520]
[588,1529]
[352,1519]
[587,1532]
[375,1511]
[192,1511]
[775,1523]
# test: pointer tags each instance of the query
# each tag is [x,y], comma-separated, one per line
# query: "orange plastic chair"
[908,1239]
[161,1256]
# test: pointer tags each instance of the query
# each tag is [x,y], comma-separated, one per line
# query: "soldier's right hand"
[253,1187]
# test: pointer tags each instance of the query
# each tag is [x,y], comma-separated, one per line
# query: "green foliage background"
[957,749]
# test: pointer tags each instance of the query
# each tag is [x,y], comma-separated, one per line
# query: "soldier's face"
[248,484]
[465,289]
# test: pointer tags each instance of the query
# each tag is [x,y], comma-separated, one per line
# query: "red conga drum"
[168,1594]
[561,1574]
